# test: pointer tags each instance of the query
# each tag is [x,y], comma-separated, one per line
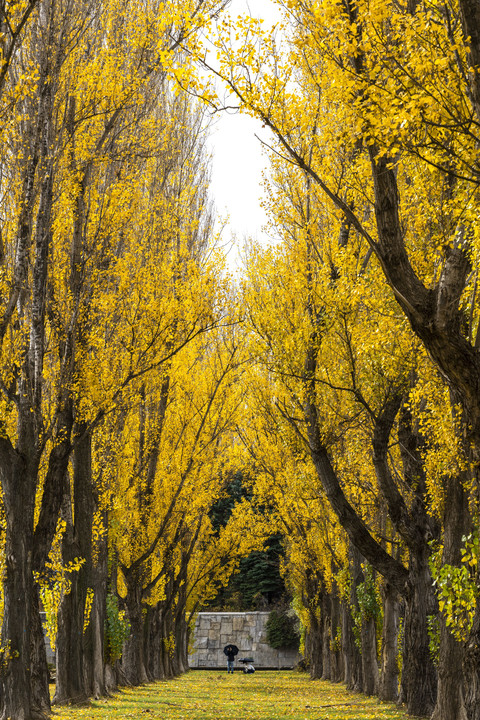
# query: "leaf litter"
[207,695]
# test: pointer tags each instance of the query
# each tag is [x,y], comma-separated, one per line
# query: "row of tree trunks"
[156,647]
[413,583]
[359,666]
[360,669]
[347,652]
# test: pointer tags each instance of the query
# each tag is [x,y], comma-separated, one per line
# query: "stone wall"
[214,630]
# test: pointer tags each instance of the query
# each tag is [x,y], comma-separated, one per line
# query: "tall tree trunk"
[471,665]
[179,652]
[133,659]
[368,635]
[419,677]
[450,700]
[147,640]
[155,660]
[77,543]
[389,675]
[314,644]
[38,663]
[414,525]
[336,661]
[167,649]
[180,632]
[355,642]
[351,653]
[150,621]
[94,636]
[370,672]
[160,647]
[70,686]
[15,693]
[326,636]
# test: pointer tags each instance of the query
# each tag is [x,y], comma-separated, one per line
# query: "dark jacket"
[230,651]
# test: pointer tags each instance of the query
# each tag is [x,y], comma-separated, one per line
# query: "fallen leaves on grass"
[204,695]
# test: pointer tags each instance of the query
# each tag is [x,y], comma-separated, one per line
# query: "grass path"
[214,695]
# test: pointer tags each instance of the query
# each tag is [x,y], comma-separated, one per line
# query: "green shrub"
[282,629]
[118,629]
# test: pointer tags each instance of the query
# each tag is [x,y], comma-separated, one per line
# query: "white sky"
[238,160]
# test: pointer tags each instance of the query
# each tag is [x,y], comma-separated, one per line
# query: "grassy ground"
[214,695]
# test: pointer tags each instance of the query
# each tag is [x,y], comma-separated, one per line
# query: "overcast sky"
[238,160]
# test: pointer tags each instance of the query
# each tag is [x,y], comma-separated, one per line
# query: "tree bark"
[470,15]
[419,677]
[370,672]
[155,665]
[326,636]
[336,661]
[312,600]
[94,636]
[314,643]
[38,663]
[450,697]
[70,687]
[180,630]
[351,653]
[471,665]
[389,675]
[181,654]
[17,585]
[77,543]
[357,578]
[415,527]
[133,658]
[450,700]
[351,640]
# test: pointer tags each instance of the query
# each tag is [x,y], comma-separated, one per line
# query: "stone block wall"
[214,630]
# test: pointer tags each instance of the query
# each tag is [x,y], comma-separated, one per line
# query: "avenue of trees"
[340,376]
[363,324]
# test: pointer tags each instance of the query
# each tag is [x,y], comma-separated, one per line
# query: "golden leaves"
[266,695]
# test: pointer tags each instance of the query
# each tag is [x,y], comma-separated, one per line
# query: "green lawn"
[214,695]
